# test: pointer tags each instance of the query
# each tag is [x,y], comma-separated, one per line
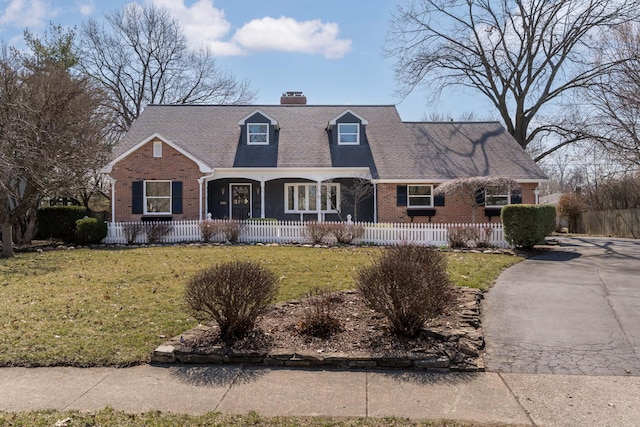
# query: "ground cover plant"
[113,307]
[111,417]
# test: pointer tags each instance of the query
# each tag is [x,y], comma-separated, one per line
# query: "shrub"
[231,230]
[346,233]
[208,229]
[484,239]
[233,294]
[317,231]
[59,222]
[527,225]
[131,231]
[156,231]
[462,236]
[408,284]
[90,231]
[571,206]
[320,318]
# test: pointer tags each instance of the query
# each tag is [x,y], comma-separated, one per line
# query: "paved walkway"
[573,310]
[520,399]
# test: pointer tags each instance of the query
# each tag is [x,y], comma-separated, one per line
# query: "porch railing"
[255,231]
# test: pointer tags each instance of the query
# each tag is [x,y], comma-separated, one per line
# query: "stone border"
[463,353]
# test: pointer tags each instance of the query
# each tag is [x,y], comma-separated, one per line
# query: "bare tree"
[470,188]
[359,190]
[51,129]
[524,56]
[141,57]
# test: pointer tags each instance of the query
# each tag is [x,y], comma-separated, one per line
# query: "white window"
[157,148]
[348,133]
[157,197]
[419,196]
[258,133]
[303,198]
[496,198]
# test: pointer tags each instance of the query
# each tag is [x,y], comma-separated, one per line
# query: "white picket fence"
[255,231]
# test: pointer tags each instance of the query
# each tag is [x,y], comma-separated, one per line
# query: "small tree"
[360,189]
[470,187]
[571,206]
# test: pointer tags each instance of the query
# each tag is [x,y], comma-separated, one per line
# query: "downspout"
[262,197]
[375,202]
[200,198]
[203,194]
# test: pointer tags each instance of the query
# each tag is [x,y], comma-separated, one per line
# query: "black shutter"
[516,199]
[176,197]
[401,195]
[137,197]
[438,200]
[480,197]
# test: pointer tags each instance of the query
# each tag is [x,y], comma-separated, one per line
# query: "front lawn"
[113,307]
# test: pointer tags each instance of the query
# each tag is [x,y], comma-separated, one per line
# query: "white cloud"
[86,8]
[206,25]
[287,34]
[25,13]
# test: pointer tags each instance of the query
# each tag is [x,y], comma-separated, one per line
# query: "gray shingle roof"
[400,150]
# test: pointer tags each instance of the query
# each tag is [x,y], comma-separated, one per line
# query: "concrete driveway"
[572,310]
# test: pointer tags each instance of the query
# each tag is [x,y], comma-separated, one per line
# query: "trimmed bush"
[408,284]
[320,319]
[346,233]
[90,231]
[59,222]
[209,229]
[317,231]
[527,225]
[233,294]
[156,231]
[231,230]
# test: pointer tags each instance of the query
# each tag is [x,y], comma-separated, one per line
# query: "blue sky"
[332,50]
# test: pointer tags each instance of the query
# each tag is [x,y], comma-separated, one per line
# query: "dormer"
[347,128]
[257,128]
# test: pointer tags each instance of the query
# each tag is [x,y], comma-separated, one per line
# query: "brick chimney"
[293,98]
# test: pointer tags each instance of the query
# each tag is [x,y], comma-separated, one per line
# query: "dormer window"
[348,133]
[258,133]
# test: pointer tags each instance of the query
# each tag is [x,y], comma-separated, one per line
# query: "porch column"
[113,198]
[200,181]
[319,200]
[375,202]
[262,198]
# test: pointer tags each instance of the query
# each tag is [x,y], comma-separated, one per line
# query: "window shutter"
[438,200]
[480,197]
[176,197]
[516,199]
[401,195]
[137,197]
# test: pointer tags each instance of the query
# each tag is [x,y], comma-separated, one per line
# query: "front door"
[240,201]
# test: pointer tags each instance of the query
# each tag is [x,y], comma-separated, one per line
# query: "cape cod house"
[302,162]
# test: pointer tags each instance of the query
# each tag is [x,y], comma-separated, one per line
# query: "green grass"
[110,417]
[113,307]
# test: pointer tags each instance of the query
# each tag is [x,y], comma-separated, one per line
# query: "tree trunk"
[7,241]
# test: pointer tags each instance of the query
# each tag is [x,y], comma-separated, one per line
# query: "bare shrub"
[233,294]
[320,319]
[131,231]
[462,236]
[156,231]
[209,229]
[484,239]
[408,284]
[231,230]
[317,231]
[346,233]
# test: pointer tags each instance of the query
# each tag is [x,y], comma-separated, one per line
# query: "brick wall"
[456,209]
[141,165]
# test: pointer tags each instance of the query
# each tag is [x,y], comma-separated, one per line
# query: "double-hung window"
[419,196]
[258,133]
[157,197]
[496,197]
[304,197]
[348,133]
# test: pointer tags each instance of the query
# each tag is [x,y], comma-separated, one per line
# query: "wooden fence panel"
[614,223]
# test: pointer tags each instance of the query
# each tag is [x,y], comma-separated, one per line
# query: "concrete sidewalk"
[521,399]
